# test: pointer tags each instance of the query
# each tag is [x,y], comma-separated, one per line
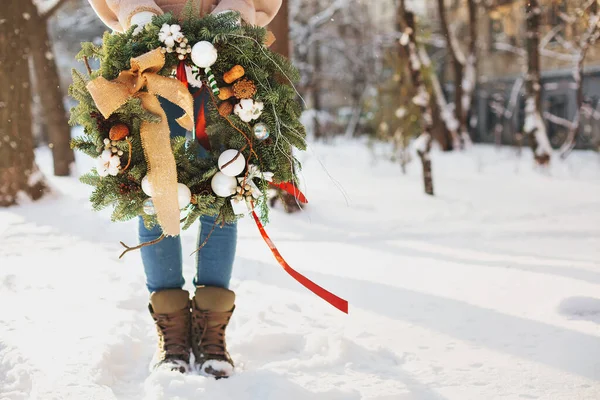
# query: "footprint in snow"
[581,308]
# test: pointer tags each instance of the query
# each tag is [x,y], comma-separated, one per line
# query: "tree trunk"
[18,171]
[535,127]
[316,80]
[51,96]
[407,25]
[457,68]
[470,73]
[588,39]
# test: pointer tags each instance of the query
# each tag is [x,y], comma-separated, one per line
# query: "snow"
[490,290]
[534,123]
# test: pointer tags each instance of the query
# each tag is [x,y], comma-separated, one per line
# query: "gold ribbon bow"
[156,141]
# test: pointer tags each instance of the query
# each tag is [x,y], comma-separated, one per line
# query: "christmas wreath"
[252,109]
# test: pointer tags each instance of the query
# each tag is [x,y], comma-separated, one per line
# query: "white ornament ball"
[236,167]
[149,207]
[184,195]
[146,188]
[204,54]
[223,185]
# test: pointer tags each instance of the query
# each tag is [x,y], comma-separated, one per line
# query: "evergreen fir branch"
[91,178]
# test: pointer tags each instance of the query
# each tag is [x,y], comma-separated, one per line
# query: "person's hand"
[141,19]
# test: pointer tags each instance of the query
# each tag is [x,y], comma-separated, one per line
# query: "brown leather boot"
[212,308]
[171,312]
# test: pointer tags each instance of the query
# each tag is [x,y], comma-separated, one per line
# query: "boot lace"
[210,332]
[173,332]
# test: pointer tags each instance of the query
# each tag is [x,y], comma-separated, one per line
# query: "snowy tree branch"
[558,120]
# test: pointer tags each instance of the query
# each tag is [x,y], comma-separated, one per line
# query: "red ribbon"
[329,297]
[201,134]
[291,189]
[181,74]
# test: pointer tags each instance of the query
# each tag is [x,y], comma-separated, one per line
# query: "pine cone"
[244,89]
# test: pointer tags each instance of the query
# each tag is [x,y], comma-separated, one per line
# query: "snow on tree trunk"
[18,171]
[51,96]
[534,127]
[407,25]
[316,81]
[589,38]
[464,68]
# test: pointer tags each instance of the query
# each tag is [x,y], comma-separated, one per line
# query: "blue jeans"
[163,262]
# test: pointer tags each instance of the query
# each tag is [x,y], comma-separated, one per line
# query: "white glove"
[141,19]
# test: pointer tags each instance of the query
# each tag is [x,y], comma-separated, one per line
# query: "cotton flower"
[248,109]
[108,164]
[169,34]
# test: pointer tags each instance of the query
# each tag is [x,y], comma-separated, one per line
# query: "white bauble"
[204,54]
[223,185]
[236,167]
[184,195]
[146,188]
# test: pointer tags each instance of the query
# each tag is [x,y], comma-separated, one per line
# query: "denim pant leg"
[215,259]
[162,261]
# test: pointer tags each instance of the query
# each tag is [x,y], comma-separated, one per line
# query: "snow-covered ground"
[490,290]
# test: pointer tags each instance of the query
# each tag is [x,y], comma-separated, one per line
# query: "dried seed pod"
[118,132]
[233,74]
[225,93]
[225,109]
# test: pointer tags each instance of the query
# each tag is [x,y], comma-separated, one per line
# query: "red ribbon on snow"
[200,127]
[291,189]
[329,297]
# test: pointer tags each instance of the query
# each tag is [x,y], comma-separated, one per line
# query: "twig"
[207,237]
[87,65]
[129,160]
[139,246]
[228,163]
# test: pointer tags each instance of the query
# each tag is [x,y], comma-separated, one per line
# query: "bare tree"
[578,49]
[464,68]
[535,128]
[49,88]
[18,170]
[334,49]
[407,26]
